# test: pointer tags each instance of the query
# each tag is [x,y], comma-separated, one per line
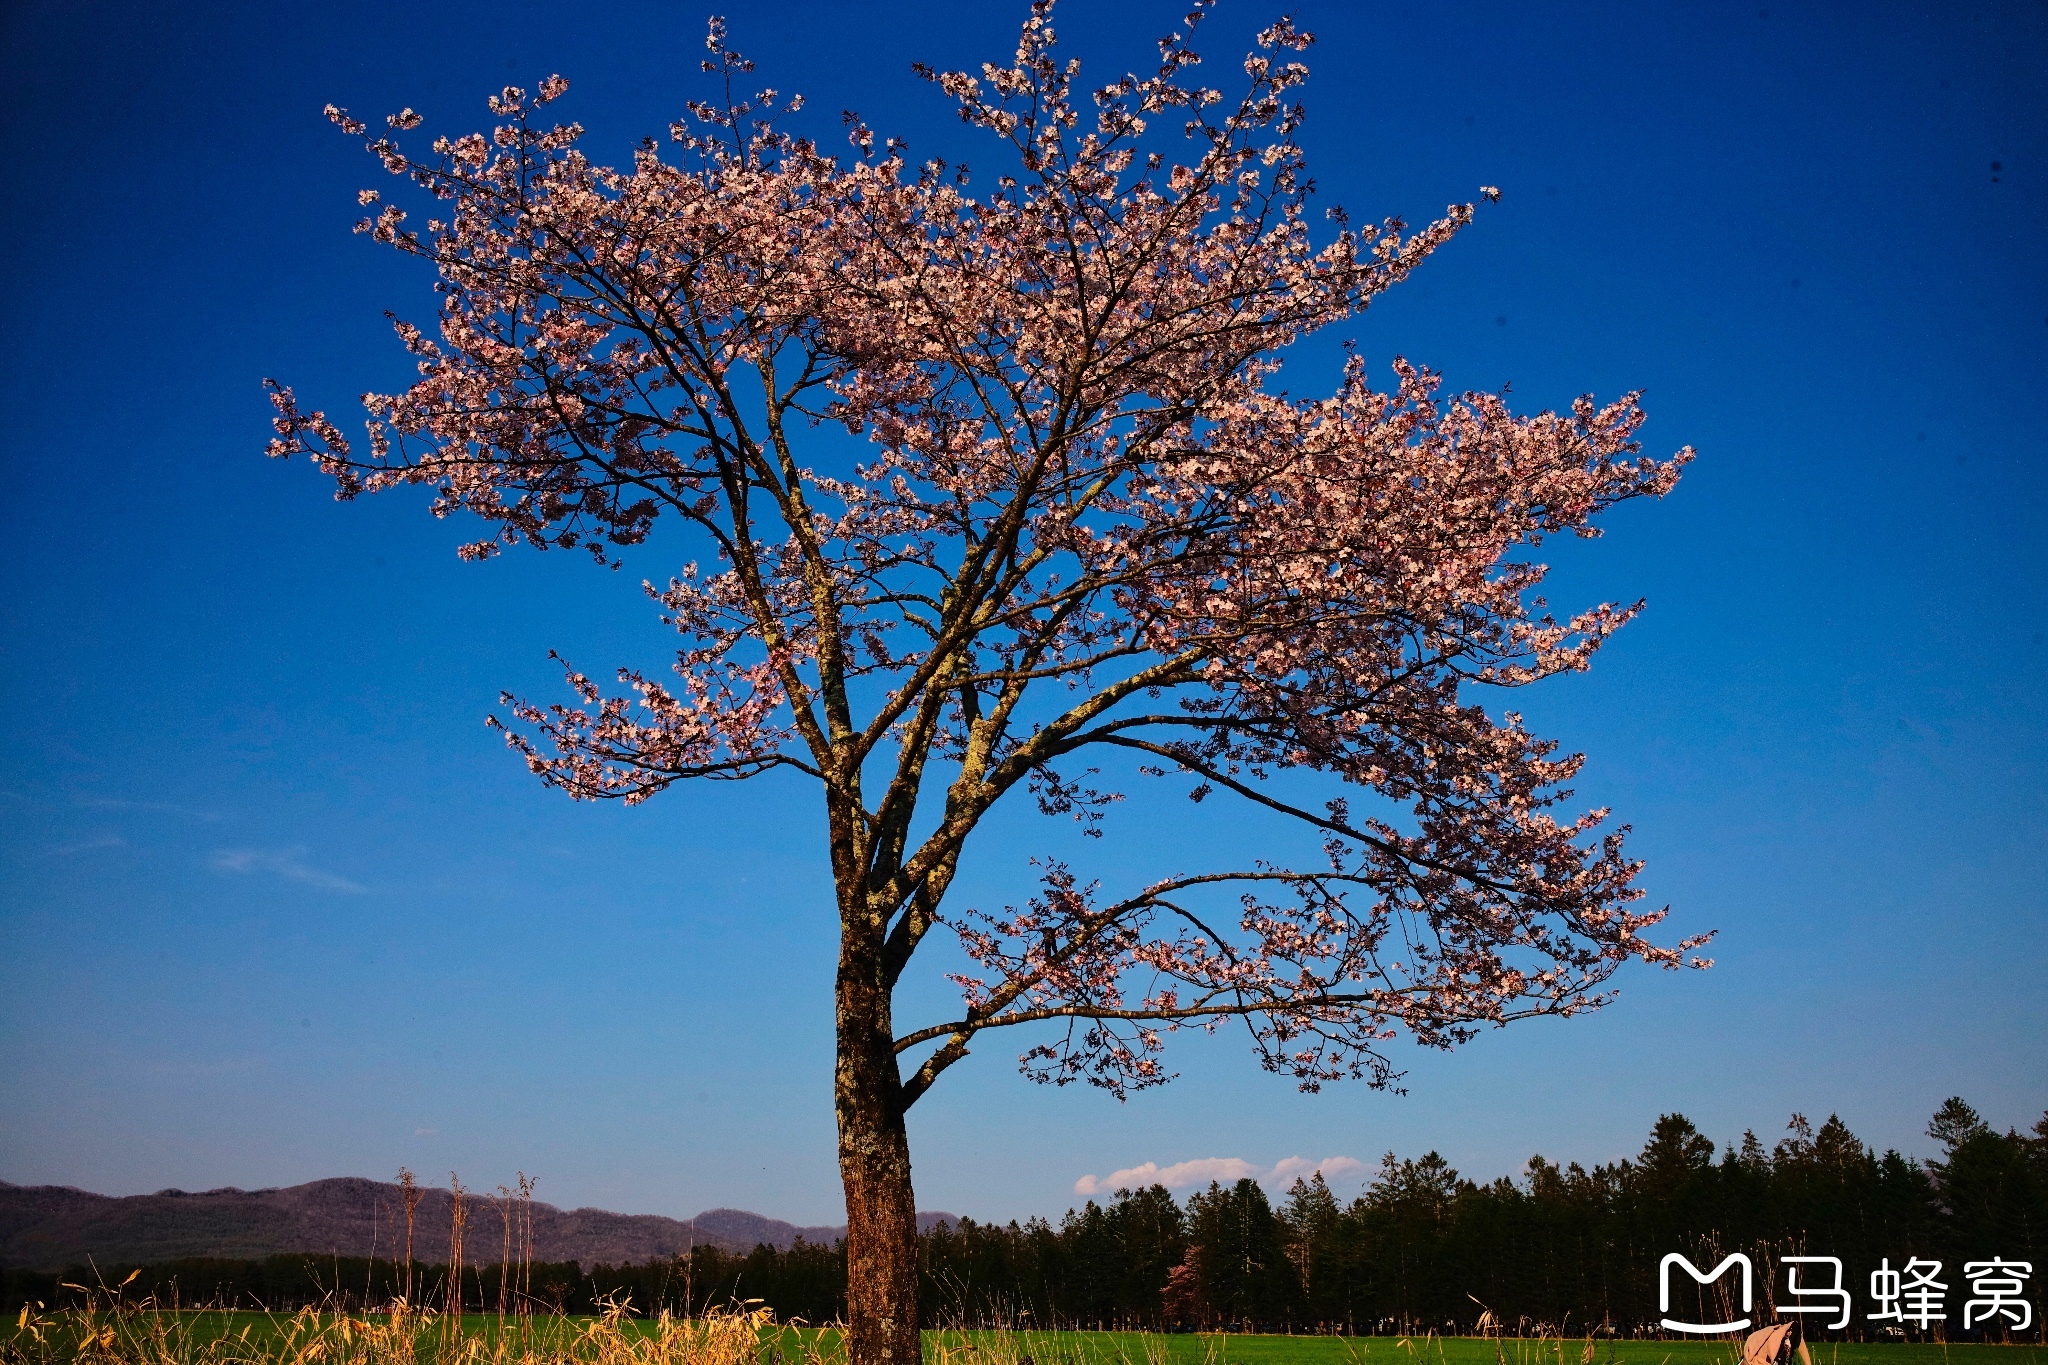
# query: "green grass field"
[1112,1348]
[254,1333]
[1115,1348]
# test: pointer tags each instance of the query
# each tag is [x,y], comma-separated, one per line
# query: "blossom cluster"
[1088,522]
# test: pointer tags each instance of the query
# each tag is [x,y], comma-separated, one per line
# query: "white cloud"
[1301,1168]
[1178,1176]
[147,807]
[90,845]
[1222,1169]
[288,863]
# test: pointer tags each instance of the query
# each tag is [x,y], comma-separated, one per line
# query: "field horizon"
[1009,1345]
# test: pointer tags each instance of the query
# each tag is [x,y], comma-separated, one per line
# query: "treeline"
[1561,1249]
[1420,1249]
[805,1282]
[288,1282]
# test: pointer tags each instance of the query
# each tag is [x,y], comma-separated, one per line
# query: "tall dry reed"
[110,1330]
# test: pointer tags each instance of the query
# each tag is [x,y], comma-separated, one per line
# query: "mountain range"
[50,1227]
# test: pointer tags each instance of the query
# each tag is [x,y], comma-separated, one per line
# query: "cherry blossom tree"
[989,483]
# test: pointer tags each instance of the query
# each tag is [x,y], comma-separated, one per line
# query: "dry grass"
[114,1331]
[1021,1346]
[111,1331]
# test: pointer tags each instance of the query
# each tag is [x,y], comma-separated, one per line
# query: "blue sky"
[276,906]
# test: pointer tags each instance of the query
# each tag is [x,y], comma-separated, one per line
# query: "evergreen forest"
[1557,1250]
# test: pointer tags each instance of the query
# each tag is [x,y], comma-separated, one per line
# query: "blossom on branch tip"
[1090,534]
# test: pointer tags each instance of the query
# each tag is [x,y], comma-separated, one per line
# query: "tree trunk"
[874,1164]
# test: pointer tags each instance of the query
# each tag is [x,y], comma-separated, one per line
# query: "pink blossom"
[1091,527]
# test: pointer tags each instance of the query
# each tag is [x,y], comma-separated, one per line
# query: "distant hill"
[49,1227]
